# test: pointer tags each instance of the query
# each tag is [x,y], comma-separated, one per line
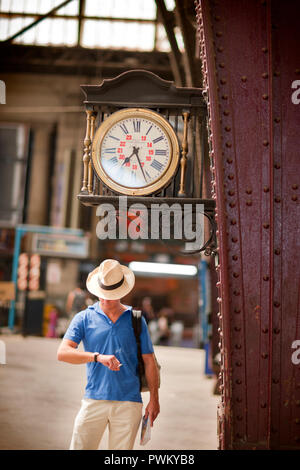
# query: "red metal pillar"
[250,59]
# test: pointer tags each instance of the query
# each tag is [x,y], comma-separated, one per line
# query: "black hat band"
[112,286]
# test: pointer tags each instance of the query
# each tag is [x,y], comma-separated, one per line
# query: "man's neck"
[113,312]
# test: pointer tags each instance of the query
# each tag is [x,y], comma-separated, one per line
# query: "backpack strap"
[137,323]
[137,327]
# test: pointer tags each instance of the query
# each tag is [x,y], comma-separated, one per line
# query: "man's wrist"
[154,395]
[96,356]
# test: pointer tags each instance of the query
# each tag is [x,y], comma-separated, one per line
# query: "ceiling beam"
[167,19]
[19,58]
[80,21]
[13,14]
[191,63]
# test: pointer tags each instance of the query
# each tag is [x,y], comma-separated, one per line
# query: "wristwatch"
[96,356]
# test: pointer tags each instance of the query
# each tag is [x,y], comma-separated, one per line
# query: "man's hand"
[109,361]
[152,410]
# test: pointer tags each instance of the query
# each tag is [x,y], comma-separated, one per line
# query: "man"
[112,395]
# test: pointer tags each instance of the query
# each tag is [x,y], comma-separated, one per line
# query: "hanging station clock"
[135,152]
[145,139]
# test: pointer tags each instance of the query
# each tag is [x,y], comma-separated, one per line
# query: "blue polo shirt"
[99,334]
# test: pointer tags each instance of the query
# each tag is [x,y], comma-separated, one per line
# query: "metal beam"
[19,58]
[13,14]
[41,18]
[80,21]
[254,151]
[188,31]
[175,57]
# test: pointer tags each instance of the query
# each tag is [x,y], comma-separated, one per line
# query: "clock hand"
[128,158]
[137,156]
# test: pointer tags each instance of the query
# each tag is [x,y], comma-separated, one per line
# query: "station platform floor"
[40,397]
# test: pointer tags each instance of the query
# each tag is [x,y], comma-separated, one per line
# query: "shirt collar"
[97,308]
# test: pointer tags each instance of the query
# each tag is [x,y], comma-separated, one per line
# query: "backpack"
[137,327]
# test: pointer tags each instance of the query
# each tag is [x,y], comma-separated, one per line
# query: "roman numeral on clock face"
[160,152]
[156,165]
[133,176]
[157,139]
[124,128]
[113,137]
[149,129]
[136,125]
[113,161]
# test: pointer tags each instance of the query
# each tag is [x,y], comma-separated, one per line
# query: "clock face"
[135,151]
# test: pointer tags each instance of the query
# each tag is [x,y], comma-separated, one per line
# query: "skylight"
[115,24]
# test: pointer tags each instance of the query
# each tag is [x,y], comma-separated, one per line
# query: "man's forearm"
[151,373]
[74,356]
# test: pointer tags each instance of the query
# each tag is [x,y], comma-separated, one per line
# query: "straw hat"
[110,281]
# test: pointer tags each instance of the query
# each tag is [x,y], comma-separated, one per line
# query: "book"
[145,431]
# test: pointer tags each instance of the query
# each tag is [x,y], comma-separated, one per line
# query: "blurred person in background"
[164,323]
[76,300]
[147,309]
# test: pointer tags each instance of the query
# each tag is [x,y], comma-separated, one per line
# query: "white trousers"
[122,418]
